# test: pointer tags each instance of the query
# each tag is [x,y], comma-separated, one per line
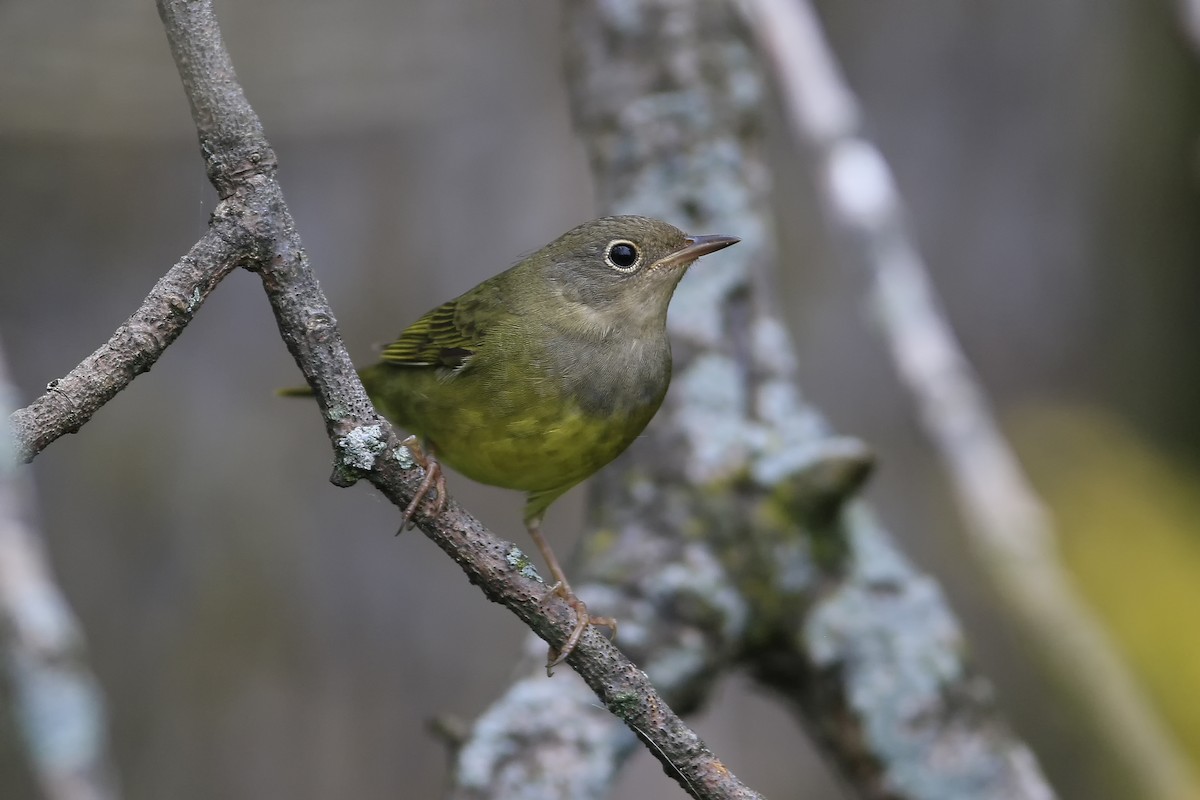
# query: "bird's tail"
[369,376]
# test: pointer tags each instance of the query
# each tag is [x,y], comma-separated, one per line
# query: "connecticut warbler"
[538,377]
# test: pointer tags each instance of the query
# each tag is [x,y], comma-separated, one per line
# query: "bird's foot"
[435,480]
[582,619]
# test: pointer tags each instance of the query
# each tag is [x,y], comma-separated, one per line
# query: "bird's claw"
[435,480]
[582,619]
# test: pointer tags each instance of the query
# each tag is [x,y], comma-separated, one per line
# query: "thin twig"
[58,704]
[1009,525]
[69,402]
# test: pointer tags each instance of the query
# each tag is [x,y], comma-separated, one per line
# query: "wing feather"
[448,335]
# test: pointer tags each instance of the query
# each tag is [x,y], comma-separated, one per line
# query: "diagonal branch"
[69,402]
[1010,528]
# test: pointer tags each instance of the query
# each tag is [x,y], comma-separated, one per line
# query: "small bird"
[543,374]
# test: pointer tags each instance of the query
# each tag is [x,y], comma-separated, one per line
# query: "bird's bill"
[696,246]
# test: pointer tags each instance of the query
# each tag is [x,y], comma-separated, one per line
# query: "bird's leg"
[563,589]
[434,479]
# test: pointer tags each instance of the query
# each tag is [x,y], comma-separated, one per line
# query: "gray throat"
[619,374]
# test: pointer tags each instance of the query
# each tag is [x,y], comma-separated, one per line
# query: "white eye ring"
[622,244]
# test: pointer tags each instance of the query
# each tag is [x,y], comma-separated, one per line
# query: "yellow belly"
[507,433]
[527,450]
[511,427]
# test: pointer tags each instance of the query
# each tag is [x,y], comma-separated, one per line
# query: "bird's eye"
[623,256]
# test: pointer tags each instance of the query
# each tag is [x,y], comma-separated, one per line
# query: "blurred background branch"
[1008,522]
[1189,11]
[727,537]
[57,704]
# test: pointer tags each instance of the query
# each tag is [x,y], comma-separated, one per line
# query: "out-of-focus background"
[260,633]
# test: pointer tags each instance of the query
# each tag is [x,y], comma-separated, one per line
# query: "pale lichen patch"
[517,559]
[360,446]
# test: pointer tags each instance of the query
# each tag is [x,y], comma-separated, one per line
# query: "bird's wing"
[448,335]
[435,340]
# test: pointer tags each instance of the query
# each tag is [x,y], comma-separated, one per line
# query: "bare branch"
[1009,525]
[237,157]
[69,402]
[232,140]
[58,705]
